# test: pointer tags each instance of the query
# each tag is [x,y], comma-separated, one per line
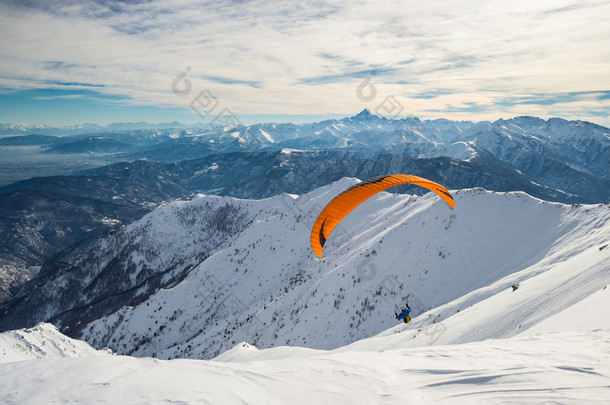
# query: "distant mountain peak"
[366,113]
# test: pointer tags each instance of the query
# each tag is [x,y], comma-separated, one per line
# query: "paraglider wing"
[345,202]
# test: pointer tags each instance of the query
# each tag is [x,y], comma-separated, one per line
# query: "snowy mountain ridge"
[87,128]
[520,141]
[581,145]
[265,307]
[128,265]
[265,286]
[43,341]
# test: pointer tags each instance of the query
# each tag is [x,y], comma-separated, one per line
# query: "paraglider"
[405,314]
[345,202]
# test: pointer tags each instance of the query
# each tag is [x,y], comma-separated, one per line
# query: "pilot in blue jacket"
[404,314]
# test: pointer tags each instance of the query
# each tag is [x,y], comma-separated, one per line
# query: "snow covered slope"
[43,341]
[128,265]
[566,368]
[474,338]
[265,286]
[572,318]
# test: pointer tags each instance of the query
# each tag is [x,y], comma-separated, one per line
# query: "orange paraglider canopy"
[345,202]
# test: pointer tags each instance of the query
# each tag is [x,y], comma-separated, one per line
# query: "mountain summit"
[364,114]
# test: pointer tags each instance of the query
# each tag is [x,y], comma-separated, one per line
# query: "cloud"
[224,80]
[548,99]
[445,58]
[342,77]
[430,94]
[55,65]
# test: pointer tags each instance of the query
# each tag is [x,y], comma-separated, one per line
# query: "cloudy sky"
[66,62]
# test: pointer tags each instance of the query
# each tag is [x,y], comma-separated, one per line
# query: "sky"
[102,61]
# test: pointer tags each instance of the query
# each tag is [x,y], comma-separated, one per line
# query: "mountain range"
[555,160]
[192,279]
[209,258]
[528,143]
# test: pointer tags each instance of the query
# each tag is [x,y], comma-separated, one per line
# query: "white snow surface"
[590,314]
[322,330]
[564,368]
[43,341]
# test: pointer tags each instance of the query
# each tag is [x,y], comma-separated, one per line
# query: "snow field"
[566,368]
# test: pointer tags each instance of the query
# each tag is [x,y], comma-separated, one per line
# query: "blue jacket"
[405,312]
